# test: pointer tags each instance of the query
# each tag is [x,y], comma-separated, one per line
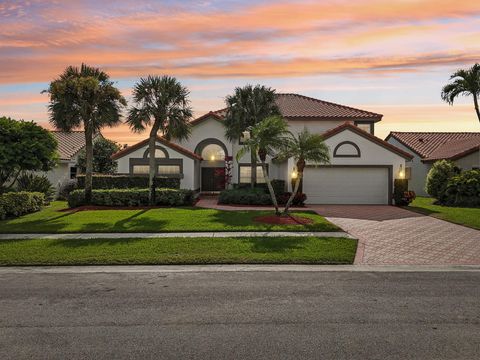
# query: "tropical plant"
[103,149]
[246,107]
[438,177]
[85,97]
[25,146]
[160,103]
[31,182]
[465,83]
[303,147]
[266,137]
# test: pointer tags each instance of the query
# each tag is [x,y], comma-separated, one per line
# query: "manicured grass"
[459,215]
[51,220]
[267,250]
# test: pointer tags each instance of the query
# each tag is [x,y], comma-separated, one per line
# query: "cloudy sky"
[387,56]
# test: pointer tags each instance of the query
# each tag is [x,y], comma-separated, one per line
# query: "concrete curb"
[338,234]
[230,268]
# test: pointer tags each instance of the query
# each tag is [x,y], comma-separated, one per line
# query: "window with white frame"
[245,175]
[365,126]
[140,169]
[168,169]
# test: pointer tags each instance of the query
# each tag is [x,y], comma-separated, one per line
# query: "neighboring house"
[427,147]
[69,145]
[362,170]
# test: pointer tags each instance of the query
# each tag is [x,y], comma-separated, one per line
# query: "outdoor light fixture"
[294,174]
[212,157]
[401,173]
[246,135]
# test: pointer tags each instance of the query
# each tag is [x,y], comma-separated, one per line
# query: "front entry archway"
[212,166]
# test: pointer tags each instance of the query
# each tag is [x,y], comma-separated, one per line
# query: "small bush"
[127,182]
[31,182]
[15,204]
[463,190]
[132,197]
[298,200]
[438,177]
[66,188]
[401,195]
[245,197]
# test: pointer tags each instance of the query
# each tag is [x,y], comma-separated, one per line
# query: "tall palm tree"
[85,97]
[246,107]
[266,138]
[465,83]
[302,148]
[163,104]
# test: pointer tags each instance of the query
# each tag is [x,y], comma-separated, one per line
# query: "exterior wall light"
[246,135]
[294,174]
[401,172]
[212,158]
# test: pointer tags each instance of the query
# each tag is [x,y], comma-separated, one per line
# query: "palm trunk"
[475,102]
[253,170]
[89,163]
[294,192]
[270,187]
[151,163]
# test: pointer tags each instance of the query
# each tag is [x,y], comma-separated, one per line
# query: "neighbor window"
[168,169]
[73,172]
[141,169]
[245,174]
[368,127]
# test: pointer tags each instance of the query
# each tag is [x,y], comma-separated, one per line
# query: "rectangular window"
[168,169]
[245,175]
[73,172]
[368,127]
[141,169]
[408,173]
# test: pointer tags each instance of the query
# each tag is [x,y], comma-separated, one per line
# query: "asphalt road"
[238,315]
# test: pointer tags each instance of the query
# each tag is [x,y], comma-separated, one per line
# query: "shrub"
[438,177]
[15,204]
[127,182]
[245,196]
[132,197]
[31,182]
[401,195]
[66,188]
[463,190]
[298,200]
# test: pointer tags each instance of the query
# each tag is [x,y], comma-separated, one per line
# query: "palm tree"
[85,96]
[266,138]
[163,104]
[302,148]
[245,108]
[465,82]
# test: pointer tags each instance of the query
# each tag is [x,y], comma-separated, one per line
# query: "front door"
[213,179]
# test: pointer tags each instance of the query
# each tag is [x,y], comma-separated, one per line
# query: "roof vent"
[421,140]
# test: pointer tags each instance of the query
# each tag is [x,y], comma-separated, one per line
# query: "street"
[240,315]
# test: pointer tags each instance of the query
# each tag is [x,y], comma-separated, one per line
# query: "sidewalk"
[338,234]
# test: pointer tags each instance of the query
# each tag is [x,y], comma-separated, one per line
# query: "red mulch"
[283,220]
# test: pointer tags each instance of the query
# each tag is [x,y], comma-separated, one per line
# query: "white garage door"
[346,185]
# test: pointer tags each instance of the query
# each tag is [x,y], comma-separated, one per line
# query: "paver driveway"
[391,235]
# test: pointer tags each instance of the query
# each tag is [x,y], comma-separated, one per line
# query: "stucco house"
[362,169]
[69,146]
[463,148]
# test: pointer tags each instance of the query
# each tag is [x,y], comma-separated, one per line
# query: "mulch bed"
[283,220]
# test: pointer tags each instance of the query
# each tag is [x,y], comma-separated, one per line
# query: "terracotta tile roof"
[433,146]
[300,107]
[160,139]
[367,135]
[213,114]
[69,143]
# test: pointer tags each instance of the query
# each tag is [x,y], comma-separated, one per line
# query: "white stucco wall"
[189,180]
[314,126]
[470,161]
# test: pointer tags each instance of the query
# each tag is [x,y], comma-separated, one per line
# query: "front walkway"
[395,236]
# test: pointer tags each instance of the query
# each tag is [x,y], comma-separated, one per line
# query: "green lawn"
[279,250]
[51,220]
[459,215]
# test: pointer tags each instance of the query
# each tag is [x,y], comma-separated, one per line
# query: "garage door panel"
[346,185]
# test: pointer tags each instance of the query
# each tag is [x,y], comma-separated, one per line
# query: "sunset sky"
[390,57]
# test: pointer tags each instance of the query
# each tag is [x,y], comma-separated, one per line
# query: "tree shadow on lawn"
[276,244]
[421,210]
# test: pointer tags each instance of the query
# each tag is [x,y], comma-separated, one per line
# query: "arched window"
[346,149]
[213,152]
[160,153]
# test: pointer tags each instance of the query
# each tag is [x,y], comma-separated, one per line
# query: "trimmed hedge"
[132,197]
[278,186]
[127,182]
[257,196]
[31,182]
[15,204]
[438,177]
[463,190]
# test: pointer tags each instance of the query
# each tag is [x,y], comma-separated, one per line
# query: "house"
[463,148]
[362,169]
[69,146]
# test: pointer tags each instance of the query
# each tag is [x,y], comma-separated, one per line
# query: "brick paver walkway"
[393,236]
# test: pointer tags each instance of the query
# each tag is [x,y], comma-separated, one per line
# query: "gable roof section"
[299,107]
[368,136]
[432,146]
[161,140]
[70,143]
